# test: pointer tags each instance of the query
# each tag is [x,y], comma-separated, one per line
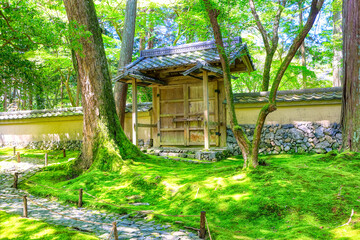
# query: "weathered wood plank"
[134,113]
[206,110]
[217,117]
[143,125]
[186,113]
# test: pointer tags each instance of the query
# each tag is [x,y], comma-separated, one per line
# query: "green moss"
[16,227]
[292,197]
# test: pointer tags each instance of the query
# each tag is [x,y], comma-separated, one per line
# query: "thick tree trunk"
[350,115]
[127,46]
[337,34]
[104,143]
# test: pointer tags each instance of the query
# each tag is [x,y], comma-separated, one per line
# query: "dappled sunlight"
[346,232]
[294,197]
[239,177]
[172,187]
[236,197]
[16,227]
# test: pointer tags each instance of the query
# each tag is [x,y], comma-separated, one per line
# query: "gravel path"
[127,227]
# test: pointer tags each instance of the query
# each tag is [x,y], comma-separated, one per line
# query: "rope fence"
[114,227]
[203,221]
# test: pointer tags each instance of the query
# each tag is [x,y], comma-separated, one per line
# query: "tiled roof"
[184,55]
[62,112]
[319,94]
[323,94]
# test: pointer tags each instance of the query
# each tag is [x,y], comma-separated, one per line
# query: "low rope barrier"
[115,205]
[1,197]
[165,215]
[58,189]
[76,219]
[207,225]
[203,218]
[35,172]
[106,202]
[111,233]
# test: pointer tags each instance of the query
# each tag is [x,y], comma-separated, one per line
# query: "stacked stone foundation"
[291,138]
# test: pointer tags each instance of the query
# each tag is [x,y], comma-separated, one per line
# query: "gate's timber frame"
[176,72]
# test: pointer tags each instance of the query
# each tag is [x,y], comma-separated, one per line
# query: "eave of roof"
[321,94]
[62,112]
[186,55]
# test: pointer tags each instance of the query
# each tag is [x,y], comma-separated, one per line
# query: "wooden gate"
[181,112]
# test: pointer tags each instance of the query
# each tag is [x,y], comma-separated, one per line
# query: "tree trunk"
[239,134]
[127,46]
[30,99]
[337,34]
[78,84]
[105,145]
[67,87]
[350,114]
[40,102]
[5,101]
[248,150]
[61,93]
[302,46]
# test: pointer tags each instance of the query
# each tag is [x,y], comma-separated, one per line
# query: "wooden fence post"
[202,225]
[46,159]
[64,152]
[80,197]
[116,237]
[15,180]
[14,150]
[18,157]
[25,211]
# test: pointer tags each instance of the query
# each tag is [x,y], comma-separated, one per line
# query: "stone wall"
[55,145]
[292,138]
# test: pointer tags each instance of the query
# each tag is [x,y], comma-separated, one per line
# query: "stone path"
[127,227]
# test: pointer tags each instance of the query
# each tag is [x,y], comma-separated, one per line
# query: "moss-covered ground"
[291,197]
[16,227]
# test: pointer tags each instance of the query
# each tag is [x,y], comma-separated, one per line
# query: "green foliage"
[37,50]
[293,197]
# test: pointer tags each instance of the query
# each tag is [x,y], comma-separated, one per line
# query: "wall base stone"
[291,138]
[48,145]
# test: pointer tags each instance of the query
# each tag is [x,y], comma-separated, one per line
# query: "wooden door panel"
[171,93]
[171,108]
[182,115]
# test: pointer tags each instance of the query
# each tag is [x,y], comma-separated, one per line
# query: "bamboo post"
[80,203]
[15,180]
[116,237]
[64,152]
[14,150]
[202,225]
[46,159]
[25,212]
[18,157]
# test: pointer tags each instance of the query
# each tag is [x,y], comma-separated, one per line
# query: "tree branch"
[261,28]
[315,9]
